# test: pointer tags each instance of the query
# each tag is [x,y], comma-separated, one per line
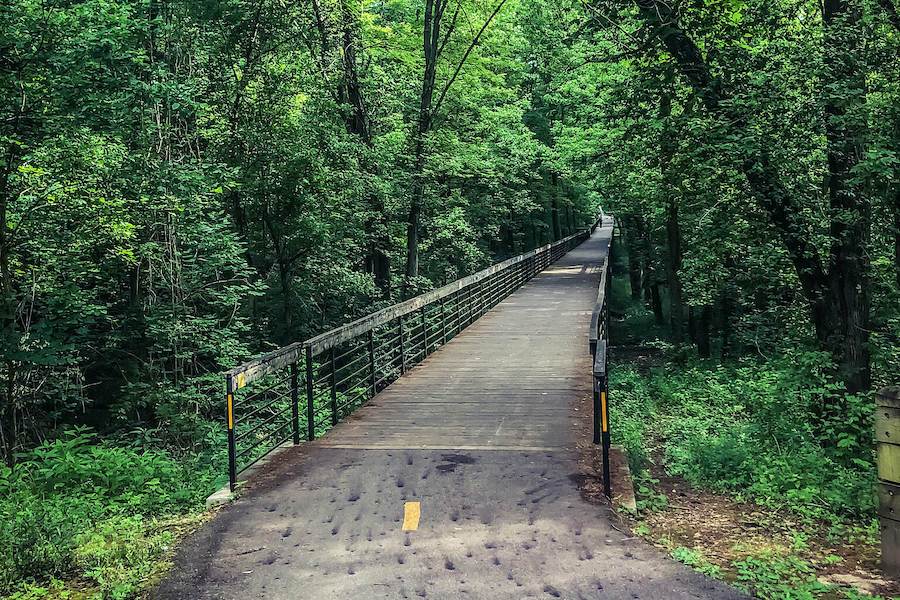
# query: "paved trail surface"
[480,435]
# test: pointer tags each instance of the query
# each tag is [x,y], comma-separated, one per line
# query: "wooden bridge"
[455,478]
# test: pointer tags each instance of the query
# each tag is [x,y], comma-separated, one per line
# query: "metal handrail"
[406,333]
[598,344]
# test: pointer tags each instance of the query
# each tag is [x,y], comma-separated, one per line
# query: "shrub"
[73,487]
[756,429]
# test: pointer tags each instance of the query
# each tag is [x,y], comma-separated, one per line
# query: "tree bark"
[430,43]
[703,332]
[848,273]
[634,261]
[673,231]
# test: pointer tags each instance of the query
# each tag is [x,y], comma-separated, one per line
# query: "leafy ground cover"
[739,472]
[81,519]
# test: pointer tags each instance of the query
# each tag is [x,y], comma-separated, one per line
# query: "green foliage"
[74,504]
[755,429]
[120,554]
[695,559]
[177,196]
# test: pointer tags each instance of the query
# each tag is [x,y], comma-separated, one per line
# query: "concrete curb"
[224,495]
[623,493]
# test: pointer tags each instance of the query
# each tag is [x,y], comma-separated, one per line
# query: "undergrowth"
[75,507]
[753,428]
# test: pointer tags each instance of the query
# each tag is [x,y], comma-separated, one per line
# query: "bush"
[757,429]
[60,495]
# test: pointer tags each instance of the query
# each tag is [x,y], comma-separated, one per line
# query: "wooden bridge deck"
[481,436]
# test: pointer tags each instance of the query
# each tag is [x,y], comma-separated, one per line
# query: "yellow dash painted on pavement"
[411,516]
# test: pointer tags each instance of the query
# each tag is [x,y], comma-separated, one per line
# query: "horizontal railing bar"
[243,418]
[359,345]
[365,367]
[257,426]
[244,451]
[269,388]
[350,362]
[266,453]
[598,305]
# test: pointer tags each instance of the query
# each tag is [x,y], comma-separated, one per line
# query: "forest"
[186,185]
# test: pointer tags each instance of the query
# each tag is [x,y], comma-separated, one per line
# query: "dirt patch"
[724,530]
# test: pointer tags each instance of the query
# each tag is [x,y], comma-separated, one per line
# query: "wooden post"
[443,323]
[371,338]
[887,436]
[402,349]
[424,335]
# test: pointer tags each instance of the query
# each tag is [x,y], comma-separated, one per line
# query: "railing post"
[424,335]
[371,336]
[334,409]
[443,324]
[601,411]
[402,349]
[458,312]
[310,402]
[229,409]
[295,405]
[604,406]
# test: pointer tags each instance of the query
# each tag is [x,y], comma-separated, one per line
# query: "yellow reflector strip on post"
[603,410]
[411,514]
[240,380]
[230,413]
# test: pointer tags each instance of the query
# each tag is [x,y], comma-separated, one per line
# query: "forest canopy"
[185,185]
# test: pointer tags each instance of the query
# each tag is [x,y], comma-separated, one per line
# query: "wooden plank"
[889,396]
[889,500]
[887,425]
[600,359]
[889,463]
[890,547]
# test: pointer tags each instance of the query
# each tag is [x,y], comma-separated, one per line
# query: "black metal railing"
[304,389]
[599,341]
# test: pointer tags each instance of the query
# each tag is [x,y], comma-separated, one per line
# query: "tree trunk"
[673,265]
[692,325]
[357,122]
[703,332]
[656,302]
[430,44]
[554,208]
[673,231]
[847,324]
[634,263]
[725,310]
